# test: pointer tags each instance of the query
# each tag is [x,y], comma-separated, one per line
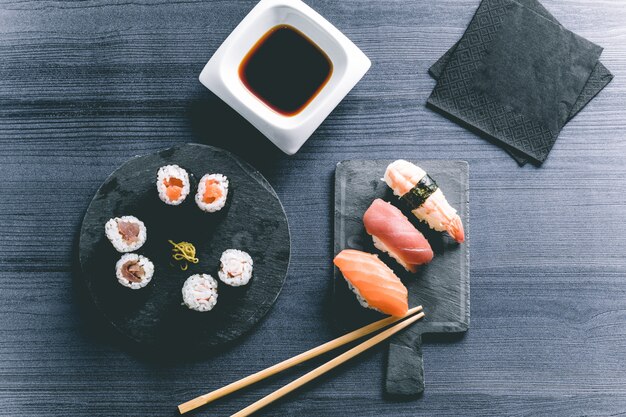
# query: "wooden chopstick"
[326,367]
[286,364]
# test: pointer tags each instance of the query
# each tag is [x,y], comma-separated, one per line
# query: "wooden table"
[85,85]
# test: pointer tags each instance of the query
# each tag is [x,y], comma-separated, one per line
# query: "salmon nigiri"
[373,282]
[426,201]
[394,234]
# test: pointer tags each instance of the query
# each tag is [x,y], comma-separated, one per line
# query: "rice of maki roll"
[126,233]
[134,271]
[235,268]
[212,192]
[172,184]
[200,292]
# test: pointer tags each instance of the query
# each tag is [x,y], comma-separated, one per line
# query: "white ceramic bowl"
[220,74]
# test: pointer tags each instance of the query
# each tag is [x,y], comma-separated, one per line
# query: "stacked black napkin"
[517,77]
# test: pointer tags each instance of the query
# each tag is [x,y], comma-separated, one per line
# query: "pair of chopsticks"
[305,356]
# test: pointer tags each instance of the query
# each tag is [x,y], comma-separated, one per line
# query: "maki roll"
[134,271]
[126,233]
[235,268]
[172,184]
[200,292]
[212,192]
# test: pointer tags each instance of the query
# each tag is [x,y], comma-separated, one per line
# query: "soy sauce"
[285,70]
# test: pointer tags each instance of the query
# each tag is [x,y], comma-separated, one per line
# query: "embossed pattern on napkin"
[600,76]
[565,59]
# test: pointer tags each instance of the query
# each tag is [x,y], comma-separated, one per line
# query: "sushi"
[200,292]
[394,234]
[134,271]
[235,268]
[172,184]
[126,233]
[373,282]
[212,192]
[425,199]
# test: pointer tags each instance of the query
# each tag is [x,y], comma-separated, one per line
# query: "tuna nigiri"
[426,201]
[373,282]
[394,234]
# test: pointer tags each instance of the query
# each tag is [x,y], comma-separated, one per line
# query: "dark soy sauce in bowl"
[285,70]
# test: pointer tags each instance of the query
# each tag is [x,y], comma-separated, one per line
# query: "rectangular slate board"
[442,286]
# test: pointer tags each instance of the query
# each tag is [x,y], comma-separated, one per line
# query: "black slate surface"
[253,220]
[442,287]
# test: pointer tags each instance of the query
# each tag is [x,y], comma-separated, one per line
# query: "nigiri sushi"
[394,234]
[426,201]
[373,282]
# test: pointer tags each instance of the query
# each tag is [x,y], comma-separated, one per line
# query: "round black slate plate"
[253,220]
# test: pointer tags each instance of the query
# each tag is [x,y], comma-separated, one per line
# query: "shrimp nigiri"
[426,201]
[373,282]
[393,233]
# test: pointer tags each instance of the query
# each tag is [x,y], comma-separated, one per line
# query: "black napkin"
[599,78]
[515,76]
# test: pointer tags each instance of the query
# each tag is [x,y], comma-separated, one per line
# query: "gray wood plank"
[85,85]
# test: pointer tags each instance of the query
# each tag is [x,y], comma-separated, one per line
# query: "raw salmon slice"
[373,282]
[212,191]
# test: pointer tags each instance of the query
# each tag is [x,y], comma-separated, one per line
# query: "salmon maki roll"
[172,184]
[424,197]
[373,282]
[394,234]
[212,192]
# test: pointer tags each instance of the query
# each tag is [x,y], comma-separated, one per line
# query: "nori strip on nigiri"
[425,198]
[418,194]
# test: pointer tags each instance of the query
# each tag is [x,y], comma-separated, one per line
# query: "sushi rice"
[235,267]
[172,193]
[380,245]
[212,192]
[359,297]
[126,233]
[200,292]
[132,267]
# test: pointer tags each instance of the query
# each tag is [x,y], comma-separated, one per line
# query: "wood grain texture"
[84,85]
